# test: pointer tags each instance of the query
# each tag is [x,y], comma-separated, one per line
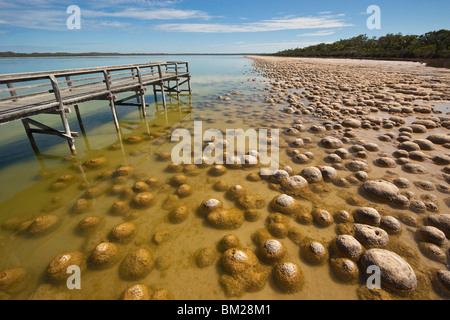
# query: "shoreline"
[434,63]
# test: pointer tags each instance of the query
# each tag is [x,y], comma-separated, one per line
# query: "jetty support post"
[61,111]
[188,78]
[161,84]
[111,99]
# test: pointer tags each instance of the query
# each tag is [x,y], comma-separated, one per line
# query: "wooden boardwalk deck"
[23,95]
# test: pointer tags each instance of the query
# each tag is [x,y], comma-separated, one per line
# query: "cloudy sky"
[205,26]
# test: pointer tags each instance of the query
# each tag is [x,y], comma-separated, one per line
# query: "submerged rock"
[205,257]
[288,276]
[345,269]
[57,269]
[42,225]
[314,252]
[226,218]
[137,292]
[137,264]
[244,273]
[104,255]
[285,204]
[13,280]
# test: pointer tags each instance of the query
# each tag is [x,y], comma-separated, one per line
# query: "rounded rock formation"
[368,215]
[314,252]
[370,236]
[288,276]
[104,255]
[272,250]
[396,274]
[380,190]
[57,269]
[137,264]
[331,142]
[348,246]
[137,292]
[345,269]
[285,204]
[205,257]
[226,218]
[123,232]
[42,225]
[179,214]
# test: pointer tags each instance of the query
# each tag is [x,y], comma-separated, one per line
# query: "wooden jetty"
[23,95]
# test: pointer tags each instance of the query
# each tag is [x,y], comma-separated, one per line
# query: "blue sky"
[205,26]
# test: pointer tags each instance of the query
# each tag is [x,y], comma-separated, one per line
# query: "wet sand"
[343,124]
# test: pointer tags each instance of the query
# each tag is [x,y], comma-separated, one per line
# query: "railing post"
[69,83]
[12,92]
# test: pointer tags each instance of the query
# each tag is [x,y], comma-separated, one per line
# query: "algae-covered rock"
[13,280]
[345,269]
[252,201]
[272,250]
[322,217]
[210,205]
[205,257]
[123,232]
[89,224]
[95,163]
[143,200]
[137,264]
[226,218]
[137,292]
[104,255]
[228,241]
[285,204]
[57,269]
[243,272]
[42,225]
[314,252]
[179,214]
[288,276]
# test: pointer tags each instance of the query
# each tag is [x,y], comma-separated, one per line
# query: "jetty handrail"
[19,87]
[41,75]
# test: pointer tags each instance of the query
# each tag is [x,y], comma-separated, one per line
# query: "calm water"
[28,188]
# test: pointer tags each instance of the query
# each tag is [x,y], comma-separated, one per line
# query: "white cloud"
[318,33]
[265,25]
[158,14]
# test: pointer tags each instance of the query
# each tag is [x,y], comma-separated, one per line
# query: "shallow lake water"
[28,189]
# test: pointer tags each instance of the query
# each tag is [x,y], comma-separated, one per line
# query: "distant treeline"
[431,45]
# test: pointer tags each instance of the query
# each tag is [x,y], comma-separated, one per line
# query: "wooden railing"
[34,92]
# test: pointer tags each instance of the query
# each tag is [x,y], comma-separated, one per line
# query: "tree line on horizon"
[431,45]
